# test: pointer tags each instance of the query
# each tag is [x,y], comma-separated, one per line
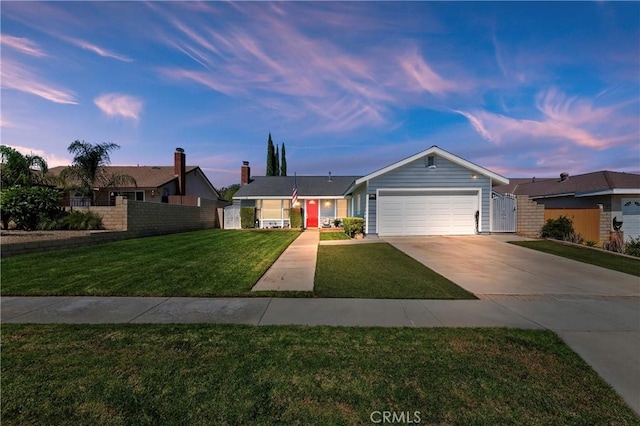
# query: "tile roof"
[579,184]
[145,176]
[308,186]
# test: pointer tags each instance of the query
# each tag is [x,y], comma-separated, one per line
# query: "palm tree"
[87,169]
[19,169]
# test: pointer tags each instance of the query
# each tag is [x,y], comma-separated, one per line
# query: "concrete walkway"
[295,269]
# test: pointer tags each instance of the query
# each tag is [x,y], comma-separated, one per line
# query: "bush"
[558,229]
[295,217]
[28,206]
[247,217]
[574,238]
[590,243]
[337,223]
[353,226]
[75,221]
[632,248]
[616,244]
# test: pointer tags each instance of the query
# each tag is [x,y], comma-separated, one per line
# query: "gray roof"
[308,186]
[579,184]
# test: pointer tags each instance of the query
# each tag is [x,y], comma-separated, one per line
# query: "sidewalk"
[604,333]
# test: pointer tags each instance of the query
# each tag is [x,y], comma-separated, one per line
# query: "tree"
[19,169]
[228,192]
[87,170]
[283,163]
[270,157]
[276,169]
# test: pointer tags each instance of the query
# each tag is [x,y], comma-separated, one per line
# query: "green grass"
[586,255]
[379,271]
[332,236]
[232,374]
[202,263]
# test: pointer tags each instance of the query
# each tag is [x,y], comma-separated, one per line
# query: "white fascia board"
[300,197]
[567,194]
[615,191]
[501,180]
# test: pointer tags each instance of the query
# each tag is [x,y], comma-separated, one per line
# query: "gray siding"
[358,201]
[416,175]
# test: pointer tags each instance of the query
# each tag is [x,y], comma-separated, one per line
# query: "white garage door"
[631,218]
[426,213]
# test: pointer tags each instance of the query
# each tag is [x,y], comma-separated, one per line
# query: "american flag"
[294,194]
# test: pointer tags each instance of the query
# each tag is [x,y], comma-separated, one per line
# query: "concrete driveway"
[488,265]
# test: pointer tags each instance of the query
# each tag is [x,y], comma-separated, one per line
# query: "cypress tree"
[276,169]
[283,163]
[270,157]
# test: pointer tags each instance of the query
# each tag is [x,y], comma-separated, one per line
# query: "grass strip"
[594,257]
[231,374]
[202,263]
[332,236]
[379,271]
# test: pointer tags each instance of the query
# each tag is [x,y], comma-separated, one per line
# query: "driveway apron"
[596,311]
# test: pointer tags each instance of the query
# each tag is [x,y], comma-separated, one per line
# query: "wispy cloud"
[52,160]
[117,104]
[424,77]
[22,45]
[97,49]
[19,77]
[261,52]
[574,119]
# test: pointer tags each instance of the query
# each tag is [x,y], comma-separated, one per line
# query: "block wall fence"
[132,219]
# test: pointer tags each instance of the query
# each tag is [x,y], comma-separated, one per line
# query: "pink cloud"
[19,77]
[116,104]
[574,119]
[22,45]
[98,50]
[424,77]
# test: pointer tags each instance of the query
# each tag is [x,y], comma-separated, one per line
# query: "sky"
[522,89]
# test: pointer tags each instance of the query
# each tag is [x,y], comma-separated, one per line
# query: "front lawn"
[203,263]
[232,374]
[379,271]
[595,257]
[332,236]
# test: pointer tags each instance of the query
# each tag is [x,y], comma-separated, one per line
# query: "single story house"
[616,194]
[152,183]
[433,192]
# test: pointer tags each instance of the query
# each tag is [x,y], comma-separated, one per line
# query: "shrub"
[247,217]
[28,206]
[337,223]
[295,217]
[616,244]
[558,229]
[632,248]
[83,220]
[353,226]
[574,238]
[590,243]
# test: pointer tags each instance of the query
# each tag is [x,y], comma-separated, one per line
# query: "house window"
[132,195]
[341,210]
[271,209]
[431,161]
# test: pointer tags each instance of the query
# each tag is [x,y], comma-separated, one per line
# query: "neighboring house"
[432,192]
[617,195]
[152,183]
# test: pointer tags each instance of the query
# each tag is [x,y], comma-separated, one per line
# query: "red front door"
[312,213]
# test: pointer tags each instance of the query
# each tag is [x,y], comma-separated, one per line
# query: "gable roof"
[442,153]
[282,186]
[603,182]
[145,176]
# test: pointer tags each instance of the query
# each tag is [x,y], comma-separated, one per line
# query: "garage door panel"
[445,214]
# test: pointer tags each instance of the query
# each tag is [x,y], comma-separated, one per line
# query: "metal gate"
[503,208]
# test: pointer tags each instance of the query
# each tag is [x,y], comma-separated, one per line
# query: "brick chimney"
[245,173]
[179,169]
